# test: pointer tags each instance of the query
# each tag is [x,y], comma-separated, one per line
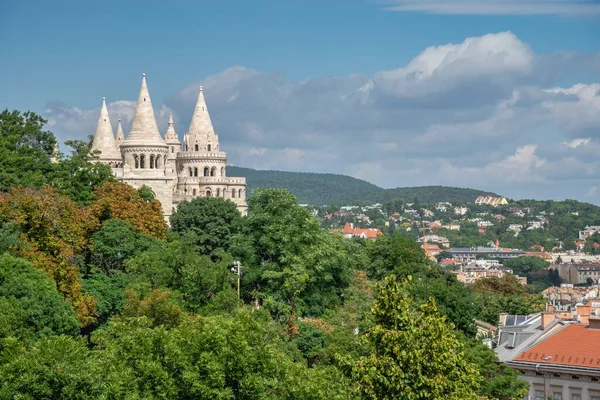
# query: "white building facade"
[174,171]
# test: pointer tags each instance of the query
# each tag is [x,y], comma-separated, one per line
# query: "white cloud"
[470,114]
[497,7]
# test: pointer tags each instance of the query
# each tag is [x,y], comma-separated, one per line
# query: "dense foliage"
[99,299]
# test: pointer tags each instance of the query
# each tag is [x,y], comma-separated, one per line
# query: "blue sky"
[302,61]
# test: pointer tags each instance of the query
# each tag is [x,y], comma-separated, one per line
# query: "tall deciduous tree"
[78,175]
[54,232]
[417,355]
[30,305]
[212,220]
[25,149]
[121,201]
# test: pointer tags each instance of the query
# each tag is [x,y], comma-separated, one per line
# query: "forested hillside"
[333,189]
[101,299]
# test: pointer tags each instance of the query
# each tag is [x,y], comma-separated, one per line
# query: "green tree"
[498,380]
[30,305]
[396,254]
[417,355]
[25,150]
[78,175]
[212,220]
[526,265]
[116,242]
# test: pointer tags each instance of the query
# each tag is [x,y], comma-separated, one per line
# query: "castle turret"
[104,139]
[120,134]
[201,135]
[145,152]
[172,141]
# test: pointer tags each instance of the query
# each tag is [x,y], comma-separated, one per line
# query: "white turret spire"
[171,136]
[120,134]
[104,139]
[144,129]
[201,132]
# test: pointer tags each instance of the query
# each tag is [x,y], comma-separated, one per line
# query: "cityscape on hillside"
[300,200]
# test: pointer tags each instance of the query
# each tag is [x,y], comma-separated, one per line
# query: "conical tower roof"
[171,136]
[104,139]
[144,130]
[201,124]
[120,134]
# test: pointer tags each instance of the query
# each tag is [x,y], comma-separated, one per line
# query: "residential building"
[563,364]
[435,239]
[485,252]
[588,231]
[578,273]
[490,200]
[368,233]
[460,210]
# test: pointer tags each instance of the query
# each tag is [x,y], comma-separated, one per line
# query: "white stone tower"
[174,172]
[104,140]
[145,153]
[201,166]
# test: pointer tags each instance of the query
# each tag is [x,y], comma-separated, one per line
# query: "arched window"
[186,147]
[152,161]
[194,192]
[136,160]
[222,171]
[195,171]
[218,192]
[196,147]
[213,171]
[143,161]
[240,194]
[233,193]
[158,162]
[206,171]
[172,149]
[209,147]
[208,193]
[191,171]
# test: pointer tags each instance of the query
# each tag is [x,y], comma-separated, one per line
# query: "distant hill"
[335,189]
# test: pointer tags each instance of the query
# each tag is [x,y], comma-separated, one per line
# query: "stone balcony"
[211,180]
[193,155]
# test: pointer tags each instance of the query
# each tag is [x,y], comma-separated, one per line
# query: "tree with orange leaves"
[121,201]
[54,231]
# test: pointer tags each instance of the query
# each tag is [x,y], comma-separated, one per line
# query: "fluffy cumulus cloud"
[485,113]
[496,7]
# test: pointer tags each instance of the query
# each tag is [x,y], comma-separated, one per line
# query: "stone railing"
[212,180]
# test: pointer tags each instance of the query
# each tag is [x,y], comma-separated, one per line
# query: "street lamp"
[237,269]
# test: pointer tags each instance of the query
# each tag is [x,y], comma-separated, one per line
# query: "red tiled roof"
[574,345]
[370,233]
[348,229]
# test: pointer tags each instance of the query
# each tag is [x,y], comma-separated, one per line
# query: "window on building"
[222,171]
[196,171]
[196,147]
[152,161]
[194,192]
[233,193]
[594,379]
[208,193]
[218,192]
[142,161]
[557,396]
[575,377]
[173,149]
[209,147]
[539,395]
[595,397]
[557,375]
[575,397]
[136,160]
[213,171]
[206,171]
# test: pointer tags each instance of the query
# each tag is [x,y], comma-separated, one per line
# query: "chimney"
[550,307]
[502,320]
[547,318]
[583,313]
[594,322]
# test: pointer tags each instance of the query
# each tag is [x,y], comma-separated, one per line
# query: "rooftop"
[574,345]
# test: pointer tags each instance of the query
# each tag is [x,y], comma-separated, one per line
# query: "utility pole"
[237,268]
